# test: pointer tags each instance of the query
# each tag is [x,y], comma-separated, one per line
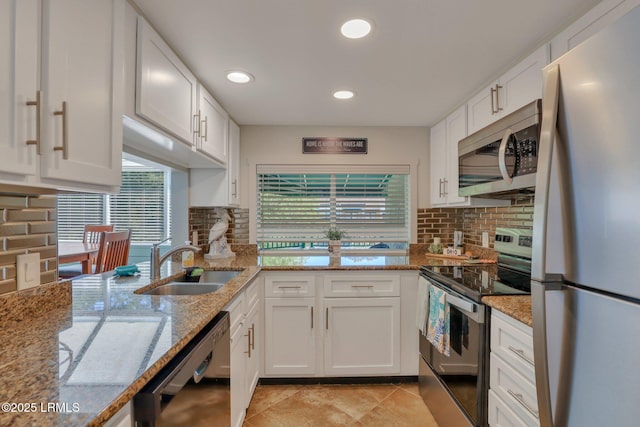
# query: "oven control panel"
[514,241]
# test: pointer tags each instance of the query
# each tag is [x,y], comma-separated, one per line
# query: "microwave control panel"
[526,147]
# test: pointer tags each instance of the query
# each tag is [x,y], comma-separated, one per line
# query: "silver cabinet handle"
[502,156]
[520,399]
[326,319]
[253,337]
[445,181]
[289,287]
[65,131]
[248,335]
[521,354]
[234,184]
[38,104]
[196,123]
[311,317]
[493,104]
[498,107]
[206,128]
[362,286]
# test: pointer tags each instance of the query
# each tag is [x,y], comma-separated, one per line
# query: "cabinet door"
[523,83]
[482,109]
[253,326]
[19,49]
[289,336]
[82,80]
[239,345]
[438,163]
[166,91]
[213,127]
[456,130]
[233,163]
[362,336]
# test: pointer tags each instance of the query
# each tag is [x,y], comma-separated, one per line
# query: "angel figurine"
[218,246]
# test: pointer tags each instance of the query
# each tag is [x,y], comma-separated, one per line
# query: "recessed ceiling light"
[355,28]
[239,77]
[343,94]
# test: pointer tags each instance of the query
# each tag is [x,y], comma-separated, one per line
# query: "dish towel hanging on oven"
[438,323]
[423,305]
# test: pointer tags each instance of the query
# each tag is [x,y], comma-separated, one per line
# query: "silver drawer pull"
[289,287]
[520,399]
[362,286]
[520,353]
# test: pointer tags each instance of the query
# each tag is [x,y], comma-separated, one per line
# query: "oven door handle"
[461,304]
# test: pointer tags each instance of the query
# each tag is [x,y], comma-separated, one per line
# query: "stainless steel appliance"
[501,159]
[585,271]
[177,397]
[455,387]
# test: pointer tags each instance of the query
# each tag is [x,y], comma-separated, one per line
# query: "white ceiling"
[422,59]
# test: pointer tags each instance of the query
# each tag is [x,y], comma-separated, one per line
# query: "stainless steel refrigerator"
[586,250]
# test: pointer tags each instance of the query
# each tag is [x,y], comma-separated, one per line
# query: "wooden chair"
[114,250]
[92,232]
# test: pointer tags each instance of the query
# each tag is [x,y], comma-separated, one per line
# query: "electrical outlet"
[485,239]
[28,270]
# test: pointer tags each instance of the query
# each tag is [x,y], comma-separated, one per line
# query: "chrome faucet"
[157,260]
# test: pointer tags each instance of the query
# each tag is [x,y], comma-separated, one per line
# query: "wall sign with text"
[325,145]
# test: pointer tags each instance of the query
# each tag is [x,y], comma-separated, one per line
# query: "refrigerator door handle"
[548,133]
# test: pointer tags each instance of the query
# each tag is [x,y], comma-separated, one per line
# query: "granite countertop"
[516,306]
[89,346]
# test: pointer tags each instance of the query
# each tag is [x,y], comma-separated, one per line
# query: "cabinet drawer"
[513,342]
[251,296]
[294,286]
[236,309]
[361,285]
[515,390]
[500,415]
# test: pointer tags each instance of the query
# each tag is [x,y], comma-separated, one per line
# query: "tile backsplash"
[27,225]
[442,222]
[202,219]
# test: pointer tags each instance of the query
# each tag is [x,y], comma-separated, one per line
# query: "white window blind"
[76,210]
[141,206]
[296,207]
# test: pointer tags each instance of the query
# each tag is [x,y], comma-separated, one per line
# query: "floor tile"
[401,409]
[266,396]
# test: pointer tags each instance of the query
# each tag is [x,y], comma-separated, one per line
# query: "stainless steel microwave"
[501,158]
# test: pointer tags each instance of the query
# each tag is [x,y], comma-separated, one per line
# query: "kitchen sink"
[183,288]
[210,281]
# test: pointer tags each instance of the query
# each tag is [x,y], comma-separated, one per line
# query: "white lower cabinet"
[512,394]
[290,336]
[362,336]
[246,329]
[347,323]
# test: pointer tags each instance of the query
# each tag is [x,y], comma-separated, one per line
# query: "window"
[142,205]
[295,207]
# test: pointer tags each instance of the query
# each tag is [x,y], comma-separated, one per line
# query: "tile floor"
[384,405]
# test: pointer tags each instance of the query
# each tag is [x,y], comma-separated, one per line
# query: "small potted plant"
[334,235]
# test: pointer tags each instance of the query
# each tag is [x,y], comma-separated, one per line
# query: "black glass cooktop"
[478,281]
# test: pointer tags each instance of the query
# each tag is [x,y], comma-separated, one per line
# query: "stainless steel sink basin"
[210,281]
[182,288]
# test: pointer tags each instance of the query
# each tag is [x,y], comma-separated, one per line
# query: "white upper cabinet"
[438,141]
[166,91]
[82,81]
[19,85]
[593,21]
[516,88]
[218,187]
[62,87]
[212,128]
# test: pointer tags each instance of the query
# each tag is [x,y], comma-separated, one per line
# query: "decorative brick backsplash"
[442,222]
[27,225]
[202,219]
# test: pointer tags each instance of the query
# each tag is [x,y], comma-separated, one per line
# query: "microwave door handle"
[502,156]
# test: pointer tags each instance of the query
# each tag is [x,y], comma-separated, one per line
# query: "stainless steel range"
[453,377]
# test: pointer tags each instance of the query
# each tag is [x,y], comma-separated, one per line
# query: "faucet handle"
[155,245]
